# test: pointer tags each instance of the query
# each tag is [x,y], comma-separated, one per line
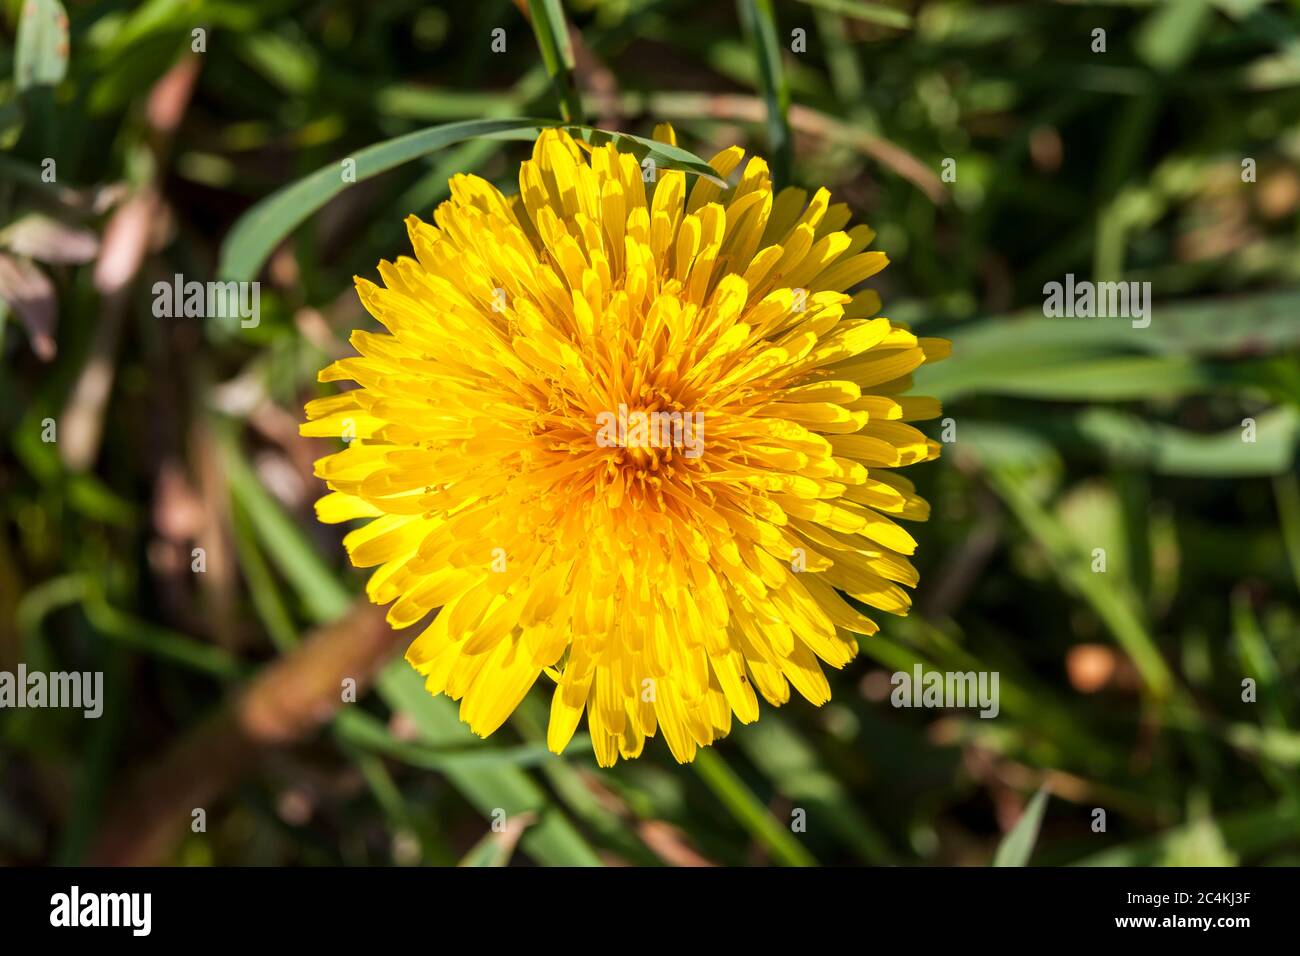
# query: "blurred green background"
[1120,691]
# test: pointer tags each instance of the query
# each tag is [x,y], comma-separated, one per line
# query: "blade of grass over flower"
[1016,848]
[877,13]
[430,189]
[552,32]
[252,239]
[759,20]
[748,811]
[665,156]
[259,230]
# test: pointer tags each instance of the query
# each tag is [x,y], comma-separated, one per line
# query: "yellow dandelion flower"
[634,436]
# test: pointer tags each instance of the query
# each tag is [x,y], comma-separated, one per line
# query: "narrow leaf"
[259,230]
[759,20]
[552,32]
[1019,843]
[252,239]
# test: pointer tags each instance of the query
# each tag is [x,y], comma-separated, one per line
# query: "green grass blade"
[1016,847]
[759,20]
[664,155]
[252,239]
[748,811]
[552,32]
